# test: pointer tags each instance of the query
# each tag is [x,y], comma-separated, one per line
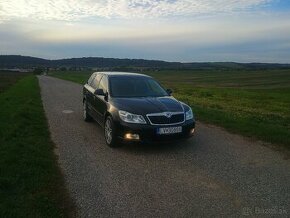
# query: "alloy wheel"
[108,131]
[85,110]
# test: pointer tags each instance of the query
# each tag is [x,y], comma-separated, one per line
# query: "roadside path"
[213,174]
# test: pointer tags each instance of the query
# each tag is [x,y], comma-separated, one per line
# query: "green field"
[31,184]
[9,78]
[254,103]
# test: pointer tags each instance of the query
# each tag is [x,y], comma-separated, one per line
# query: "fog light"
[130,136]
[192,131]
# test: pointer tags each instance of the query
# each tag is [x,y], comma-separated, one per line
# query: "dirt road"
[213,174]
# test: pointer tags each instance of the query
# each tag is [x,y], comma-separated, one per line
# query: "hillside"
[17,61]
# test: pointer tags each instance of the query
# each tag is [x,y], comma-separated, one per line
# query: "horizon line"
[125,58]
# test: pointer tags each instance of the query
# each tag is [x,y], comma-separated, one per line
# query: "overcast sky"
[173,30]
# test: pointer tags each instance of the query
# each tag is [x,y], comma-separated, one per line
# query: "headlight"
[131,118]
[189,115]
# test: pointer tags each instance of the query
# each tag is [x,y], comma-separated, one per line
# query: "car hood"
[148,105]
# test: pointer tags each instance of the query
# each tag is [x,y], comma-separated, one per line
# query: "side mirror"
[169,91]
[100,92]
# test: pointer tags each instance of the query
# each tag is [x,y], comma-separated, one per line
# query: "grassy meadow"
[254,103]
[31,184]
[9,78]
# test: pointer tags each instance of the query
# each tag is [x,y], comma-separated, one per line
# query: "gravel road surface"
[213,174]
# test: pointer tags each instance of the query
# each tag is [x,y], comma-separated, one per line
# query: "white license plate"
[169,130]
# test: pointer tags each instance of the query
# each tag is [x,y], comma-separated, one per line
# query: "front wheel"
[86,116]
[110,133]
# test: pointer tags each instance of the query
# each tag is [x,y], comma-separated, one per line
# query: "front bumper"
[148,133]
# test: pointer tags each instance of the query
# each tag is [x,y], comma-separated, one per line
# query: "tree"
[38,70]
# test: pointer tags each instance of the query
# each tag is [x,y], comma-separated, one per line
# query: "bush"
[38,71]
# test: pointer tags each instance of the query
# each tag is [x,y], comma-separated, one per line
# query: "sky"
[171,30]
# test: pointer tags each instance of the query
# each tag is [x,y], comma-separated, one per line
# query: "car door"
[87,91]
[91,95]
[101,101]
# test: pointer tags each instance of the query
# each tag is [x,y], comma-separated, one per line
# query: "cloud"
[235,30]
[73,10]
[247,37]
[227,29]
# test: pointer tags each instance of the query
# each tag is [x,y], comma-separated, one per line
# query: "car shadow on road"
[159,148]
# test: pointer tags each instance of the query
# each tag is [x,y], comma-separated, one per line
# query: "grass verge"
[31,184]
[7,79]
[252,103]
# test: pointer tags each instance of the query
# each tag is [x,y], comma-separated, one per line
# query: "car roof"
[122,74]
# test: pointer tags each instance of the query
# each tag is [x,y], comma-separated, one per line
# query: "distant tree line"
[17,61]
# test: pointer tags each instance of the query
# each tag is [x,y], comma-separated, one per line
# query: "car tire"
[110,133]
[86,116]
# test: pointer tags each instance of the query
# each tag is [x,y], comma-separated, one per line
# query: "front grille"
[163,120]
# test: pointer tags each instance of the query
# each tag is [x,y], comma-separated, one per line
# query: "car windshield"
[135,86]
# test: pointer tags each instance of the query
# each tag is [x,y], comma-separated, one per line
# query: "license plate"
[169,130]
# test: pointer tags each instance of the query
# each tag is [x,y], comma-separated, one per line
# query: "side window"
[91,79]
[96,81]
[104,84]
